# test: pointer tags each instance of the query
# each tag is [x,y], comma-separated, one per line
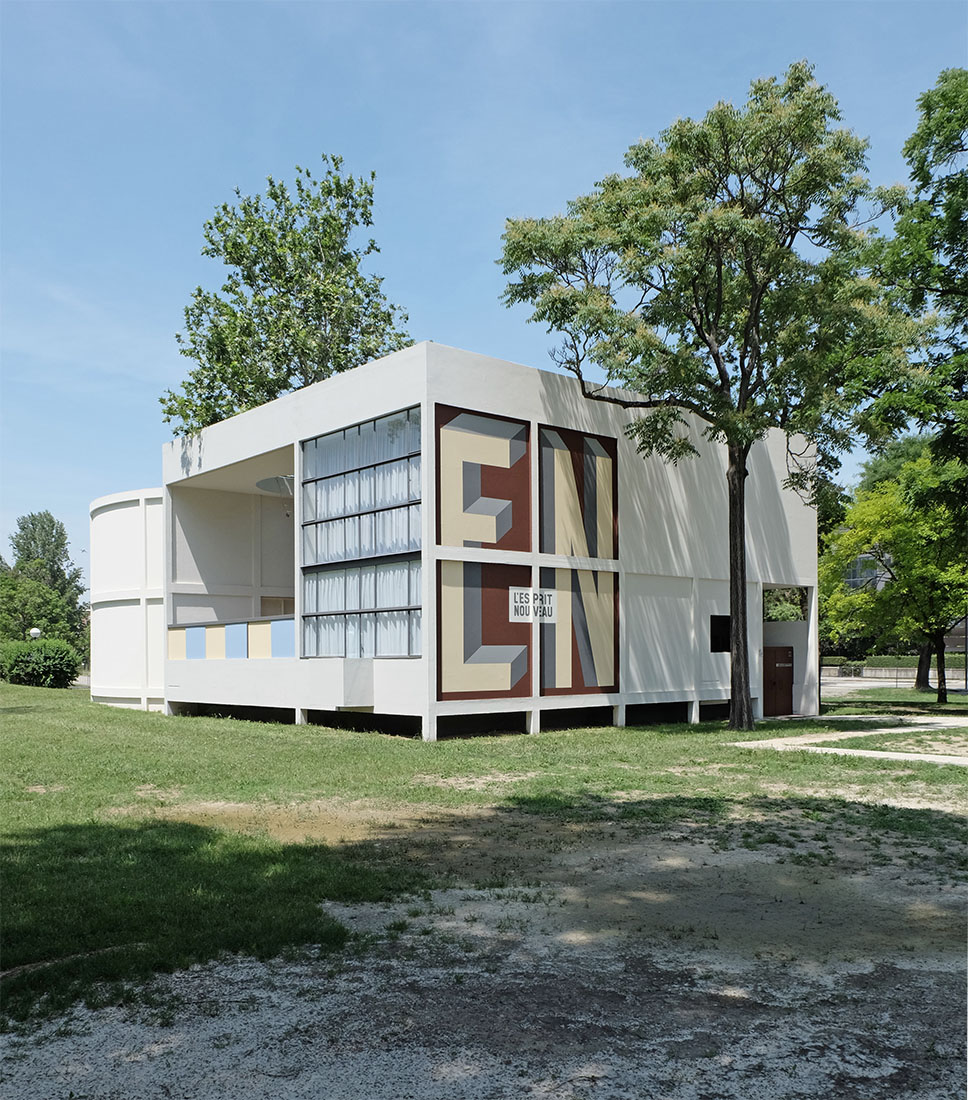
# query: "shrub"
[47,663]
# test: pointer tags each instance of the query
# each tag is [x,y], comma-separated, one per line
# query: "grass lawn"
[898,701]
[129,847]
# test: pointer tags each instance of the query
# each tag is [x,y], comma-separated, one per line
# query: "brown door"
[777,680]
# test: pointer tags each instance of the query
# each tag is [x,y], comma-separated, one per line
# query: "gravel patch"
[625,967]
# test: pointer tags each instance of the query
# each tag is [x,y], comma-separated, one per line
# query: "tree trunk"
[922,680]
[942,682]
[740,704]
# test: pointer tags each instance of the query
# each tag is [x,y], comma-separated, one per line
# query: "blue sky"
[125,124]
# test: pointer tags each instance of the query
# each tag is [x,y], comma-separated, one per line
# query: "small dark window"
[719,633]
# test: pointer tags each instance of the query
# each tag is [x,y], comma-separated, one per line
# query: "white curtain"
[351,531]
[392,634]
[331,590]
[331,636]
[414,633]
[368,586]
[415,478]
[310,593]
[367,483]
[415,595]
[353,589]
[367,635]
[392,484]
[413,542]
[331,497]
[352,625]
[329,458]
[392,584]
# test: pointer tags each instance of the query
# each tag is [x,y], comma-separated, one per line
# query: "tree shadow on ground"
[110,902]
[106,902]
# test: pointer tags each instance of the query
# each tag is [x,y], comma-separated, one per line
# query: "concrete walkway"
[808,742]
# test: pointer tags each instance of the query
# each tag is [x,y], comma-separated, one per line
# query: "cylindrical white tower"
[127,599]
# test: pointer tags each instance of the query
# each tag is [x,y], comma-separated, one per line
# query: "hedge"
[47,663]
[951,661]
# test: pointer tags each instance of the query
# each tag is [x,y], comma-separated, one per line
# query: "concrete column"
[757,702]
[533,720]
[428,727]
[618,715]
[302,716]
[693,712]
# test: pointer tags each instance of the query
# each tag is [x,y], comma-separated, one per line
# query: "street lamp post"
[34,632]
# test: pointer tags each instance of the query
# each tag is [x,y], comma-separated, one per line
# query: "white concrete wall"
[127,599]
[228,550]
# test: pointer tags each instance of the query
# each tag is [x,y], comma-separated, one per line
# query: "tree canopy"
[917,587]
[43,587]
[296,307]
[928,257]
[729,276]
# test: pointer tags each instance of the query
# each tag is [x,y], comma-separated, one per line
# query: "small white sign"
[532,604]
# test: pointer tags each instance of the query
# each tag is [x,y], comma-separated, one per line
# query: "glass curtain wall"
[361,539]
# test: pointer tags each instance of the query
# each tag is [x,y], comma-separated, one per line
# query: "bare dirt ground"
[566,961]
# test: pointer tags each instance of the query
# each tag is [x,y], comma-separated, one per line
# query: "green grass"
[897,701]
[102,889]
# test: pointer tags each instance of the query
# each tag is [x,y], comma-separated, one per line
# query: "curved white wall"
[127,599]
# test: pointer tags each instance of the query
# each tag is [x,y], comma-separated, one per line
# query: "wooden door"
[777,680]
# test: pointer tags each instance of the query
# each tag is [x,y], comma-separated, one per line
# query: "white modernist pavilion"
[438,535]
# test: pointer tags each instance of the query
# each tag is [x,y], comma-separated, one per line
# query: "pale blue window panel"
[237,640]
[283,638]
[195,643]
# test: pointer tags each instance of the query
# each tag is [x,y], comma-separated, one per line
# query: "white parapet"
[127,599]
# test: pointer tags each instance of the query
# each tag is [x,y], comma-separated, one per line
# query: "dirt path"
[572,961]
[955,742]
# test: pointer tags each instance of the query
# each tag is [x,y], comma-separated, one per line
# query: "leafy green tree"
[26,603]
[886,466]
[44,587]
[296,306]
[928,257]
[41,551]
[727,277]
[784,605]
[906,527]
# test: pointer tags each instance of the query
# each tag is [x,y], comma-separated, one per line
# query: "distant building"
[440,534]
